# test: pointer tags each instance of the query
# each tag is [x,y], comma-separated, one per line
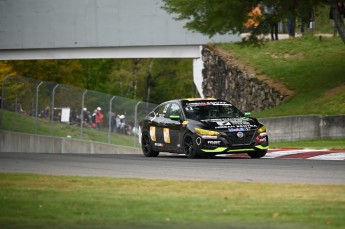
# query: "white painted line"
[330,156]
[287,152]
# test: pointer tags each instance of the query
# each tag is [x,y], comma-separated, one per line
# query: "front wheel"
[189,148]
[147,148]
[257,153]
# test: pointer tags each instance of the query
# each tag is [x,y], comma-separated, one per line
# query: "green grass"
[311,144]
[309,67]
[42,201]
[26,124]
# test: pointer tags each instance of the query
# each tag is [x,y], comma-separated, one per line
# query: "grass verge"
[16,122]
[312,68]
[313,144]
[42,201]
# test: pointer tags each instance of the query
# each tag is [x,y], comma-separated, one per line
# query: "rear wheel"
[147,148]
[257,153]
[189,148]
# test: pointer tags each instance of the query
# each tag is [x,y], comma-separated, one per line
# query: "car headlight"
[262,129]
[206,132]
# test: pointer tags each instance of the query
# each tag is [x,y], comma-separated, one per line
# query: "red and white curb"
[322,154]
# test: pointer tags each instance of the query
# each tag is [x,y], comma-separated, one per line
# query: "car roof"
[193,100]
[199,99]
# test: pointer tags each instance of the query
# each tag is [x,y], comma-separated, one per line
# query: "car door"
[156,126]
[172,128]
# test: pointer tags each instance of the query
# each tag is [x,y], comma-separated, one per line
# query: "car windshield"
[200,110]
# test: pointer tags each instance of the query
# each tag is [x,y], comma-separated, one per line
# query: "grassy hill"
[312,67]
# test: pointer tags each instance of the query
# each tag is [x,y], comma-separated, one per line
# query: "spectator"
[341,10]
[307,17]
[19,108]
[73,118]
[270,13]
[120,123]
[47,112]
[32,112]
[86,117]
[99,118]
[112,119]
[93,119]
[292,26]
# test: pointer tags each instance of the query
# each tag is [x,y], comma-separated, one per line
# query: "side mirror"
[247,114]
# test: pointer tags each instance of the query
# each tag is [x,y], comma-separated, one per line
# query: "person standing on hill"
[341,9]
[99,118]
[270,13]
[307,17]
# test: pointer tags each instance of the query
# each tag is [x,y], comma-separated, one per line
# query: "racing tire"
[208,156]
[257,153]
[147,148]
[189,148]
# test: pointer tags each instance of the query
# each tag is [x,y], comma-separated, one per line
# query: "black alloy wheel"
[188,148]
[146,147]
[257,153]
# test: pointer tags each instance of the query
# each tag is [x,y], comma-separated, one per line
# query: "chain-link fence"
[46,108]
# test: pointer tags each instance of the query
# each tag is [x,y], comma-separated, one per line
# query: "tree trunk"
[135,72]
[149,81]
[338,20]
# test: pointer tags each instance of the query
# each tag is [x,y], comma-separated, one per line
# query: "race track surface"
[239,168]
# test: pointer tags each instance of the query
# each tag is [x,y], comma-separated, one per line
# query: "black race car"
[201,128]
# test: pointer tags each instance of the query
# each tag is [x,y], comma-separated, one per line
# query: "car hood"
[228,124]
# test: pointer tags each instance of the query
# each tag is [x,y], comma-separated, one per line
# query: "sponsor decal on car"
[153,133]
[209,137]
[214,143]
[207,103]
[166,135]
[240,134]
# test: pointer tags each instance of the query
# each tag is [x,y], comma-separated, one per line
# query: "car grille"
[245,140]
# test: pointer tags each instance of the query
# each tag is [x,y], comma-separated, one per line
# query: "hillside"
[310,69]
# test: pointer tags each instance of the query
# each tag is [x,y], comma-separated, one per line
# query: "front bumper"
[226,143]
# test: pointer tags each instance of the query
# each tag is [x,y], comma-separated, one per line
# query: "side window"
[175,109]
[162,110]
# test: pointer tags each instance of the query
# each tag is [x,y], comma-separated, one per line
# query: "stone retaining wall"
[225,80]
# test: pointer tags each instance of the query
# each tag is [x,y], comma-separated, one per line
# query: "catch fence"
[51,109]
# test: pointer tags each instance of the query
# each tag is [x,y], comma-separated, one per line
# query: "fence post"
[53,108]
[82,114]
[2,98]
[135,122]
[36,110]
[109,121]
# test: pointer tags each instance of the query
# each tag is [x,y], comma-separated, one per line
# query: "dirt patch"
[231,60]
[334,91]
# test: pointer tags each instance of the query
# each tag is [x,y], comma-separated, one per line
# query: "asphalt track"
[178,167]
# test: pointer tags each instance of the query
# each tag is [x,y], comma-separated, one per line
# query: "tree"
[229,16]
[170,78]
[59,71]
[144,79]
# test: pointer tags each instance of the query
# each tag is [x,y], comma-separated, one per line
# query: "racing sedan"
[201,128]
